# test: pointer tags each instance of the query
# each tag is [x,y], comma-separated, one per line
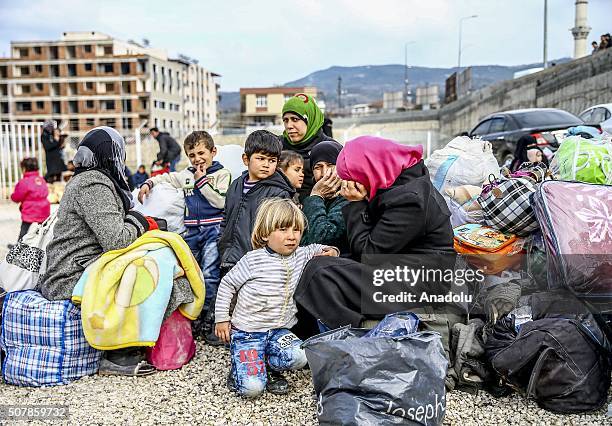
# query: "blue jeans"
[174,162]
[202,240]
[253,352]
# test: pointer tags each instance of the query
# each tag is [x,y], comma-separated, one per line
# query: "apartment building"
[89,79]
[263,105]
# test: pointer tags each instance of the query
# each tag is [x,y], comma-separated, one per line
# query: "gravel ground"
[196,394]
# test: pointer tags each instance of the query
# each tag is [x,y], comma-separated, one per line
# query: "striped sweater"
[265,282]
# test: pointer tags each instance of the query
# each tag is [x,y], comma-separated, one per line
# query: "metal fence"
[18,140]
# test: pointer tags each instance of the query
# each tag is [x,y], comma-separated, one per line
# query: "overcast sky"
[268,42]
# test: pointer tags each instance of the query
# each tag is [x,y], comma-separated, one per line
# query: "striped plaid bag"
[43,341]
[506,203]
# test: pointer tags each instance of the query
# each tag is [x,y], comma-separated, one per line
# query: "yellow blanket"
[124,294]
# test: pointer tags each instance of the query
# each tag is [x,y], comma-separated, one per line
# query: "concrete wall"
[573,86]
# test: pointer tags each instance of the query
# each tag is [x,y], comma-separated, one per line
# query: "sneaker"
[277,384]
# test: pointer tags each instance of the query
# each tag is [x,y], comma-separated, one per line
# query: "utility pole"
[405,103]
[339,93]
[545,59]
[460,47]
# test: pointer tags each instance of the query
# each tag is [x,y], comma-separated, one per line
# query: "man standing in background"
[169,150]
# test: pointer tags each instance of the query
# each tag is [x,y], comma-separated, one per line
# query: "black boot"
[277,384]
[209,326]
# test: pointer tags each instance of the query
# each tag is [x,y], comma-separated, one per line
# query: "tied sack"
[585,160]
[386,379]
[26,261]
[506,202]
[463,161]
[43,341]
[165,202]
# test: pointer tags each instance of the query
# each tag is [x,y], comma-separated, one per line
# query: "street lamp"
[460,31]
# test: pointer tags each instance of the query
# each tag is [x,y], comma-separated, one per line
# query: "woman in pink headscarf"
[393,209]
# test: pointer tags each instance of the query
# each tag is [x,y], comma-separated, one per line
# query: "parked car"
[599,114]
[503,130]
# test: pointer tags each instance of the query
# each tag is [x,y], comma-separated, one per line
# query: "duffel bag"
[43,341]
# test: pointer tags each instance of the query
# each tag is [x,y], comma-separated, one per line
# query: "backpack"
[26,261]
[553,360]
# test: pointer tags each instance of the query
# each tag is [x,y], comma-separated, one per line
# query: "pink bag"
[175,346]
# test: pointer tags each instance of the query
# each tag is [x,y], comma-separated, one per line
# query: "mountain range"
[367,83]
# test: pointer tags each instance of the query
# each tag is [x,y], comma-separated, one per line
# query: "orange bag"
[488,249]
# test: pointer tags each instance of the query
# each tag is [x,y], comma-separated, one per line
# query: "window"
[482,129]
[87,48]
[4,107]
[164,123]
[125,67]
[74,124]
[55,89]
[110,122]
[599,115]
[24,70]
[108,49]
[156,122]
[56,107]
[70,51]
[108,105]
[142,66]
[25,88]
[90,122]
[171,124]
[37,50]
[72,89]
[126,105]
[126,123]
[89,85]
[23,52]
[71,70]
[73,107]
[38,68]
[40,104]
[126,87]
[162,105]
[39,87]
[3,72]
[88,67]
[53,52]
[89,104]
[24,106]
[261,101]
[110,87]
[105,68]
[497,125]
[586,116]
[54,70]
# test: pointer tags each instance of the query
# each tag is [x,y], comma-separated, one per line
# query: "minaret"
[581,29]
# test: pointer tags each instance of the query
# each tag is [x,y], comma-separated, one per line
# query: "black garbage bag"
[379,380]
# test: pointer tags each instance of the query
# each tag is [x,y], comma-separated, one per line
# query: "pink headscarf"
[375,162]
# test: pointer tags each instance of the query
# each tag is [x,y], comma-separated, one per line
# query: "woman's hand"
[222,331]
[329,251]
[353,191]
[144,192]
[328,186]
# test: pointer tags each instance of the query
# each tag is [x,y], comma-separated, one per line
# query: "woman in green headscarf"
[303,121]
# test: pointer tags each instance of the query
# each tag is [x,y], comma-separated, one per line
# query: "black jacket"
[240,212]
[410,217]
[169,149]
[53,154]
[304,151]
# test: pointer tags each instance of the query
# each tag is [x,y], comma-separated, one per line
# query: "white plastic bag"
[463,161]
[26,261]
[230,156]
[165,202]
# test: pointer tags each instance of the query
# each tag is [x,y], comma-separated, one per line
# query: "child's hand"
[329,251]
[222,331]
[200,171]
[144,192]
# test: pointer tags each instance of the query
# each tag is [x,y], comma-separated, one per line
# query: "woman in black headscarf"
[53,151]
[527,151]
[94,217]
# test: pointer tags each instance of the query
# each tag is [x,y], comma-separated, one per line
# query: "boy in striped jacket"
[204,184]
[261,344]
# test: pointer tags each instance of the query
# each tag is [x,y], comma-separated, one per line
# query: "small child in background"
[261,344]
[204,184]
[31,191]
[140,176]
[292,165]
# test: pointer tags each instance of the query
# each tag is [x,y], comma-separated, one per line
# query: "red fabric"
[152,223]
[166,169]
[375,162]
[32,191]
